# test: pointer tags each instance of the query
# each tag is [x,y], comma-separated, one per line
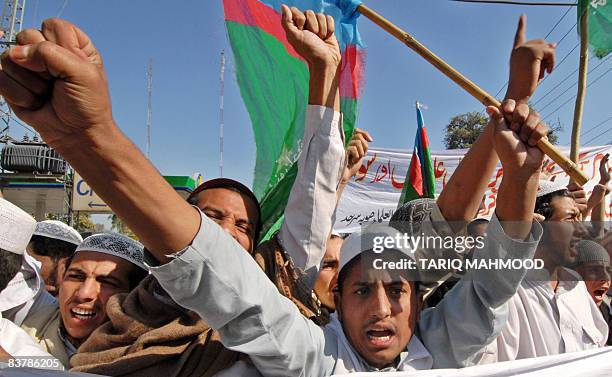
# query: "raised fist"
[312,36]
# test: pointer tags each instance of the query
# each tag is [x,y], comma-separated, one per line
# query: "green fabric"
[600,25]
[274,87]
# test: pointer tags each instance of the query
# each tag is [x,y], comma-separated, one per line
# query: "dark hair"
[10,264]
[134,278]
[53,248]
[346,270]
[232,185]
[542,205]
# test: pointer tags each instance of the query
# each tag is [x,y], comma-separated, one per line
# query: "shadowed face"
[561,230]
[234,212]
[90,280]
[51,270]
[596,276]
[378,312]
[328,276]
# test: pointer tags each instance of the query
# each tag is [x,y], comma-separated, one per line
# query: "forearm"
[516,202]
[597,196]
[461,197]
[312,201]
[324,86]
[118,172]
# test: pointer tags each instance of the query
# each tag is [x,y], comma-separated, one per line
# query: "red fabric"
[257,14]
[416,177]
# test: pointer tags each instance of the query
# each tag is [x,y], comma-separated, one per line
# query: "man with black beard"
[552,311]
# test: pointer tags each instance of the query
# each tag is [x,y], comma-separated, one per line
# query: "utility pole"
[149,106]
[10,24]
[221,105]
[582,79]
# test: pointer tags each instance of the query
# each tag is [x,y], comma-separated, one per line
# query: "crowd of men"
[202,296]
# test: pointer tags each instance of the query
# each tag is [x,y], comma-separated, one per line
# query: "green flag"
[600,24]
[273,80]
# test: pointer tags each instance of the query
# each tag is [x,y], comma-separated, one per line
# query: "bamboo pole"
[485,98]
[582,79]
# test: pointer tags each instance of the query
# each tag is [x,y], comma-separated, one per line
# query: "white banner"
[372,195]
[592,363]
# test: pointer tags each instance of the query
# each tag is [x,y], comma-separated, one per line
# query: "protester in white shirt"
[16,228]
[552,312]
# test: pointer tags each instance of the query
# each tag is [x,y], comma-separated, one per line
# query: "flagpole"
[485,98]
[582,79]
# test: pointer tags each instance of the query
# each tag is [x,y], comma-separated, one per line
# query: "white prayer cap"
[548,187]
[372,238]
[16,227]
[115,244]
[58,231]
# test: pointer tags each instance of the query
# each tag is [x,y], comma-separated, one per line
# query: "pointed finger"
[519,37]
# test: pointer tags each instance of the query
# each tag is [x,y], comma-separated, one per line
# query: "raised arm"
[312,201]
[474,312]
[528,63]
[55,81]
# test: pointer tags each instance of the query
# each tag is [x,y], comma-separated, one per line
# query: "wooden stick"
[485,98]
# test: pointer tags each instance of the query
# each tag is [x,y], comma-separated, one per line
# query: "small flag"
[420,181]
[600,24]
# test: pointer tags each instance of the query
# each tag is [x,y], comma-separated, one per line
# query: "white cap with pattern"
[548,187]
[115,244]
[16,227]
[58,231]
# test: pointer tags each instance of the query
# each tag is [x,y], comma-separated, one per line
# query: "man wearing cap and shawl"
[552,311]
[52,244]
[16,228]
[102,266]
[593,264]
[26,293]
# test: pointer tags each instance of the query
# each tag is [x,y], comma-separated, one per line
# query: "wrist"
[324,85]
[516,94]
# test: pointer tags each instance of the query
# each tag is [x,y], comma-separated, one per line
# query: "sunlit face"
[596,276]
[234,212]
[561,232]
[328,276]
[378,314]
[90,280]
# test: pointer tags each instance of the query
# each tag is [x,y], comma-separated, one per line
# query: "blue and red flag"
[420,180]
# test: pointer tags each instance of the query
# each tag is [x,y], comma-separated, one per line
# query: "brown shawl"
[149,335]
[290,281]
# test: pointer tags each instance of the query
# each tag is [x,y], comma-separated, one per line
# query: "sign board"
[84,199]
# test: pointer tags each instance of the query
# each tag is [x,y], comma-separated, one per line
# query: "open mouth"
[83,314]
[380,337]
[600,293]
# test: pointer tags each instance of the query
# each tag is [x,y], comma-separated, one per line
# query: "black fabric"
[604,308]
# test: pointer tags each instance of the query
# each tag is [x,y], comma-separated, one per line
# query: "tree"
[119,226]
[82,222]
[463,130]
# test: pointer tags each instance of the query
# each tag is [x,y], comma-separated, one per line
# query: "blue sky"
[185,38]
